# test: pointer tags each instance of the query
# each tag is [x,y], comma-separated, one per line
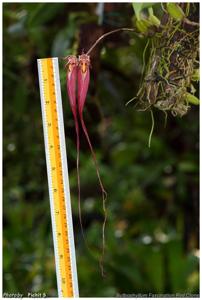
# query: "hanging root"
[103,234]
[152,128]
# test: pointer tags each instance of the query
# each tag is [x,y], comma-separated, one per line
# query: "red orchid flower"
[72,63]
[78,69]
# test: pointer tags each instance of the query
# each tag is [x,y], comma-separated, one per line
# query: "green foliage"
[175,11]
[138,7]
[152,228]
[142,23]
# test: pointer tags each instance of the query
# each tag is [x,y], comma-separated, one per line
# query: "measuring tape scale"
[58,179]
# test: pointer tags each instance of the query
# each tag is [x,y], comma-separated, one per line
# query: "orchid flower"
[78,69]
[72,63]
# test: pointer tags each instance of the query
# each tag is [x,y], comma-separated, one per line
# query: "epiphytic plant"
[173,63]
[167,77]
[173,66]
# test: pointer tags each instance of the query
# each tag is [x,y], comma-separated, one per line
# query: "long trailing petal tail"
[78,174]
[93,154]
[83,84]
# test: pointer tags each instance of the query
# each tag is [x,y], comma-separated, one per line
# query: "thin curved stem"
[106,34]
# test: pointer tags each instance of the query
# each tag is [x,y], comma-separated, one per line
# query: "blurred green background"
[153,220]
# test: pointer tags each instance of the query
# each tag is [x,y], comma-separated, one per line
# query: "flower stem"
[106,34]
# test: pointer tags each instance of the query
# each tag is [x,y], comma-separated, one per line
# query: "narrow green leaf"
[175,11]
[137,9]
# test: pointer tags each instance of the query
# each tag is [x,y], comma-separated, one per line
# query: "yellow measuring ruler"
[58,179]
